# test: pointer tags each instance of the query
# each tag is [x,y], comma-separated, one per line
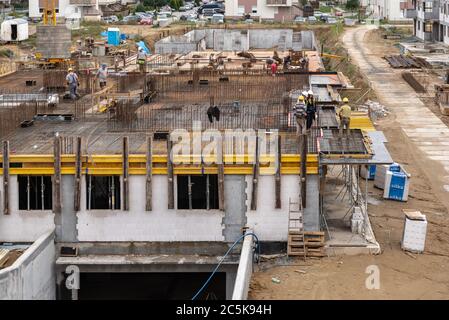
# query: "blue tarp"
[104,34]
[142,45]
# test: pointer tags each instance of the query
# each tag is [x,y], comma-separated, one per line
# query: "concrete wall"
[311,216]
[32,276]
[22,226]
[161,224]
[268,223]
[137,224]
[230,40]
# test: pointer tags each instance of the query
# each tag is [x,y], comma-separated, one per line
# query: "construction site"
[190,177]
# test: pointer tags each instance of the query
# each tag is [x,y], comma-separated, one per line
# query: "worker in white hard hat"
[142,59]
[102,75]
[344,113]
[73,83]
[311,109]
[300,114]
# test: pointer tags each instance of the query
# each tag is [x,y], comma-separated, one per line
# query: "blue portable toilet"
[114,36]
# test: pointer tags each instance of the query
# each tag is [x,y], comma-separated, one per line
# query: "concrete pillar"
[235,207]
[312,211]
[66,230]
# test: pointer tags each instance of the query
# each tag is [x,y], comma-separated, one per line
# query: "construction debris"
[405,62]
[374,109]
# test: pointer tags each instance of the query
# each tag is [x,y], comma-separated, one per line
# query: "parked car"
[324,17]
[110,19]
[218,18]
[299,20]
[208,13]
[213,5]
[131,19]
[146,21]
[312,19]
[331,20]
[192,19]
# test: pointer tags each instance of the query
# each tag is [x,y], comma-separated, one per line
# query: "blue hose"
[222,259]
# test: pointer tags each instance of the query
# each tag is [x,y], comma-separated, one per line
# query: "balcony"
[87,3]
[432,15]
[411,13]
[279,3]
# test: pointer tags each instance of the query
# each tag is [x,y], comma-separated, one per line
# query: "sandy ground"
[402,276]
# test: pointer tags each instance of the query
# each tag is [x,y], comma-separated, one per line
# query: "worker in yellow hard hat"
[73,83]
[299,112]
[344,113]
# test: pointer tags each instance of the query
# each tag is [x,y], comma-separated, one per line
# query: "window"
[241,10]
[197,192]
[103,192]
[254,9]
[427,27]
[428,6]
[419,25]
[35,193]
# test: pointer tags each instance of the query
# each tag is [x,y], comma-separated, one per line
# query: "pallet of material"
[405,62]
[307,243]
[392,36]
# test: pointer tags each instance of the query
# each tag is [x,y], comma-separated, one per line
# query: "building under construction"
[140,188]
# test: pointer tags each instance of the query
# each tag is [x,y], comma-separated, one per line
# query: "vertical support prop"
[78,168]
[6,177]
[220,164]
[149,175]
[57,174]
[171,198]
[277,178]
[304,169]
[125,163]
[255,177]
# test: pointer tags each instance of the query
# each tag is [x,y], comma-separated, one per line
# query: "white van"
[217,18]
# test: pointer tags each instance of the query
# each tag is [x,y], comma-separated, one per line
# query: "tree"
[353,5]
[140,8]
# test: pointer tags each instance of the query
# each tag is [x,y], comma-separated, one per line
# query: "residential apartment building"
[431,20]
[392,10]
[85,9]
[275,10]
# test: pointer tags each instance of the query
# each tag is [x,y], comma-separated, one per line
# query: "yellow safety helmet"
[301,98]
[345,100]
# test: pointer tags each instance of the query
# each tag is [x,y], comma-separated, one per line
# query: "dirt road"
[418,140]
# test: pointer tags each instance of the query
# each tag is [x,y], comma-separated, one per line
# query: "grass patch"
[89,29]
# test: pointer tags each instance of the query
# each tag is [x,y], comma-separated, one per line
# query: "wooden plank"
[125,163]
[6,177]
[57,174]
[255,177]
[149,175]
[277,185]
[220,165]
[171,196]
[78,167]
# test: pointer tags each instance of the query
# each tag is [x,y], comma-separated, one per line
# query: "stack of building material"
[415,229]
[394,180]
[306,243]
[402,61]
[368,171]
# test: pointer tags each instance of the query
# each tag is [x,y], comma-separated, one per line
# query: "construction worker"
[274,68]
[344,113]
[73,83]
[310,109]
[142,59]
[102,75]
[300,113]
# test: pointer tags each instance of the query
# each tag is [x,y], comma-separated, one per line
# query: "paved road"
[425,130]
